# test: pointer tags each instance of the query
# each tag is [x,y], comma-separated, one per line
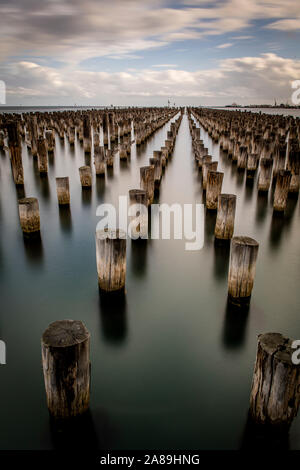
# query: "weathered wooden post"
[156,163]
[225,216]
[50,139]
[42,155]
[15,151]
[99,160]
[206,167]
[105,129]
[96,139]
[66,367]
[242,158]
[147,181]
[140,197]
[282,187]
[252,163]
[109,158]
[241,275]
[71,135]
[87,135]
[85,176]
[293,164]
[63,190]
[204,159]
[1,140]
[32,127]
[123,151]
[29,216]
[164,156]
[265,174]
[111,259]
[213,189]
[275,394]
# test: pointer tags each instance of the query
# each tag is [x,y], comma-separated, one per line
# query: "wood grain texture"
[244,251]
[66,368]
[275,394]
[111,259]
[225,217]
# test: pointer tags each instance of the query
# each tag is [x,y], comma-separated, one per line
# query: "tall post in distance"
[242,267]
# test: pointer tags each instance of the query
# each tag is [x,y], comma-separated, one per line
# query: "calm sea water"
[171,365]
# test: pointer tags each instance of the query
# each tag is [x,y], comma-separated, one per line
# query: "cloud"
[224,46]
[247,79]
[75,30]
[285,25]
[165,65]
[242,37]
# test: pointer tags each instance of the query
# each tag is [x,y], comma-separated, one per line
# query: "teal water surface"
[171,365]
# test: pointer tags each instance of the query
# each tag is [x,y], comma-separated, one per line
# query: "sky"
[146,52]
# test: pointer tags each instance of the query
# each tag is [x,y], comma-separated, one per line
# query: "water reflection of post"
[249,188]
[276,229]
[110,172]
[45,188]
[261,206]
[235,324]
[221,259]
[113,314]
[75,433]
[34,249]
[86,196]
[210,223]
[139,257]
[258,438]
[20,190]
[65,218]
[240,177]
[100,186]
[290,209]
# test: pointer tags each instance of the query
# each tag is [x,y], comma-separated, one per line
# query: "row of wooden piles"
[39,130]
[270,144]
[66,343]
[111,244]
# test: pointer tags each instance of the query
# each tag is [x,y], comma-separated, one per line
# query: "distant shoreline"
[261,107]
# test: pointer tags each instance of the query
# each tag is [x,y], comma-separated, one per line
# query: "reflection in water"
[100,186]
[113,316]
[233,168]
[240,177]
[140,149]
[249,188]
[1,262]
[20,190]
[110,172]
[261,206]
[222,252]
[87,158]
[72,150]
[34,249]
[74,433]
[276,229]
[210,223]
[51,159]
[65,218]
[262,438]
[139,257]
[290,209]
[86,196]
[235,323]
[45,188]
[124,165]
